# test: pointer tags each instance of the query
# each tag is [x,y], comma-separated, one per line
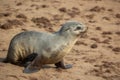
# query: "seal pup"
[41,48]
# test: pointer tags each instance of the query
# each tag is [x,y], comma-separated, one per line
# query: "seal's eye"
[78,28]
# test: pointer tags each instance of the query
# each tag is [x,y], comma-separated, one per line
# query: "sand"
[96,56]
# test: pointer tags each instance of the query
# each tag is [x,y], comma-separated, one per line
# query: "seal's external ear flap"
[64,28]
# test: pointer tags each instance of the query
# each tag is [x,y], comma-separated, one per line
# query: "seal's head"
[73,28]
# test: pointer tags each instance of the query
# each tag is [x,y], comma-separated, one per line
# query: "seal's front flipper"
[30,58]
[34,66]
[62,65]
[31,69]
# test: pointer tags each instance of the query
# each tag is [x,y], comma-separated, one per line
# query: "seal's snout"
[85,29]
[84,33]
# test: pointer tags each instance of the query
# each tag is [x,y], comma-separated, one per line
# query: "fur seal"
[41,48]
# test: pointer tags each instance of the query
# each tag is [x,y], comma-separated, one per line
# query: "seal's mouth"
[84,33]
